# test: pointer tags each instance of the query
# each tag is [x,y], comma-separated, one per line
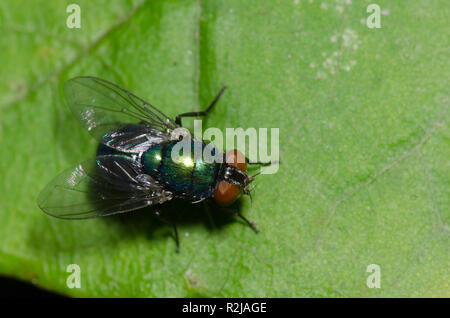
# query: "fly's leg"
[251,224]
[239,214]
[207,209]
[201,113]
[177,240]
[260,163]
[175,230]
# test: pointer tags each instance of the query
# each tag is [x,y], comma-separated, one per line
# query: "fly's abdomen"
[175,165]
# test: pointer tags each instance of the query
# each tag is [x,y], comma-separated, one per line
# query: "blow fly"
[133,167]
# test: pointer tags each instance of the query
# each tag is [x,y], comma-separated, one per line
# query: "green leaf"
[364,141]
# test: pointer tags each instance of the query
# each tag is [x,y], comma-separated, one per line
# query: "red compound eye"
[227,193]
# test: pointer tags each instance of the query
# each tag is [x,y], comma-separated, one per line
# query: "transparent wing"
[134,138]
[98,187]
[102,106]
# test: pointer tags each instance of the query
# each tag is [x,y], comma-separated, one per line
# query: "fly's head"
[235,179]
[235,176]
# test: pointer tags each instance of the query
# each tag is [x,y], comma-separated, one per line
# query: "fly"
[133,167]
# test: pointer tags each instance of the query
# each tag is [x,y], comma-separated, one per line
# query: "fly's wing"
[98,187]
[134,138]
[101,107]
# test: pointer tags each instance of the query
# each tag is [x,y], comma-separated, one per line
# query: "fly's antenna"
[261,163]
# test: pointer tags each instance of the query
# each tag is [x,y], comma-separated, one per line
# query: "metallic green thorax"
[186,175]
